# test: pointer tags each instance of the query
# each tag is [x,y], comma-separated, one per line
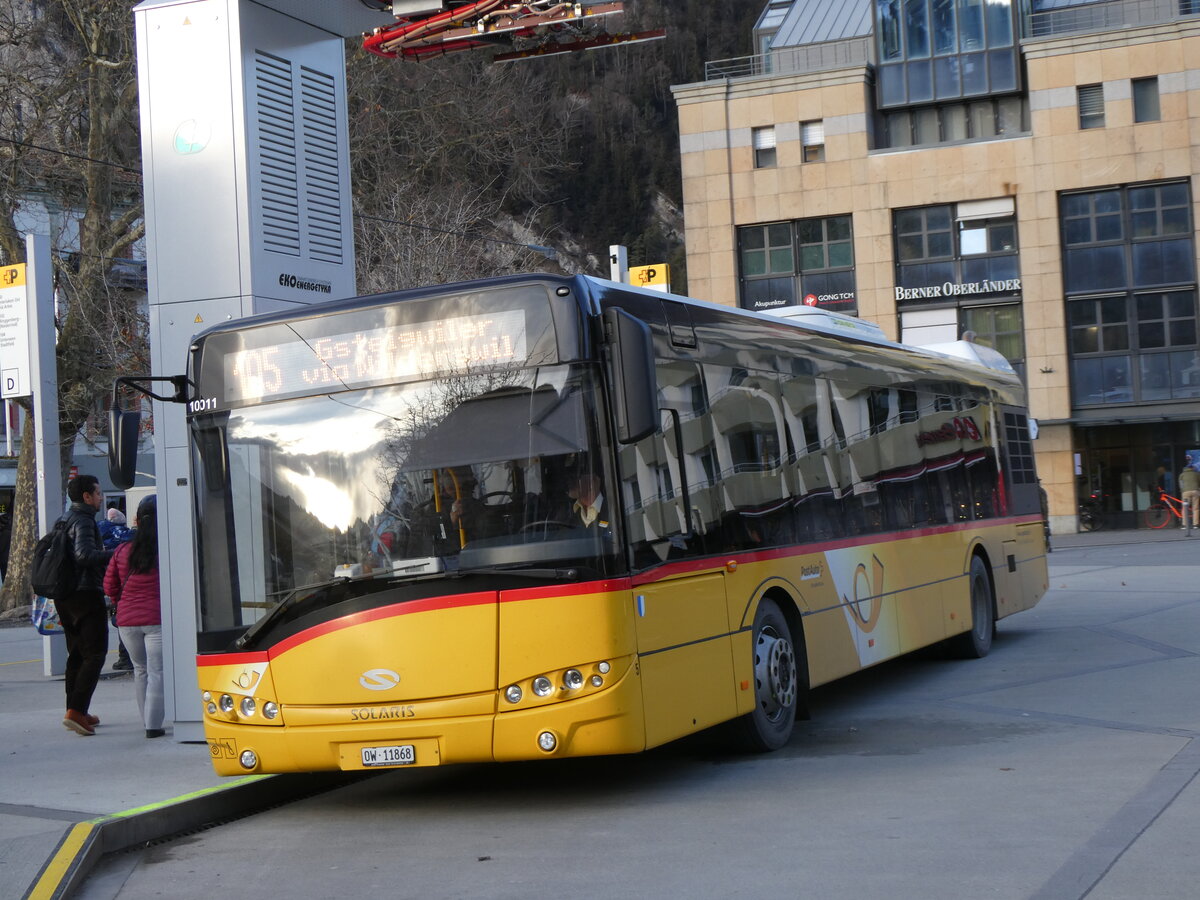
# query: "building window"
[958,271]
[767,250]
[931,50]
[978,237]
[979,120]
[1145,100]
[809,258]
[1134,348]
[825,244]
[924,234]
[768,265]
[1124,238]
[812,140]
[1091,105]
[764,147]
[1159,210]
[1000,327]
[1136,339]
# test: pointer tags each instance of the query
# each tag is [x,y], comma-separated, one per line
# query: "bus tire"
[779,688]
[976,643]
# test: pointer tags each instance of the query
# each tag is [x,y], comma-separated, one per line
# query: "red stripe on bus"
[231,659]
[566,590]
[429,604]
[710,563]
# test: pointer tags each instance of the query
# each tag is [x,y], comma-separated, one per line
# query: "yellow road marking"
[60,864]
[50,882]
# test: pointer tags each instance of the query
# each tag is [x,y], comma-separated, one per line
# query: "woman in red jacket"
[132,583]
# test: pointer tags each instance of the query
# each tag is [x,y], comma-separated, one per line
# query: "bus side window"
[753,448]
[654,477]
[808,473]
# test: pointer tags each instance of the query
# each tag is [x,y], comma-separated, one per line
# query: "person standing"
[132,583]
[114,532]
[83,615]
[1189,483]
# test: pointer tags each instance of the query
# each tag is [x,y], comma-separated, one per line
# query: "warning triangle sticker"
[199,319]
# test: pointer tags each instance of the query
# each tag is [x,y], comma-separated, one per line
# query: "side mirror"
[123,446]
[634,388]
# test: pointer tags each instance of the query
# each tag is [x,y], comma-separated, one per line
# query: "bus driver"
[589,507]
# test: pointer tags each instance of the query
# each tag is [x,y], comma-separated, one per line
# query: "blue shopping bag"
[45,616]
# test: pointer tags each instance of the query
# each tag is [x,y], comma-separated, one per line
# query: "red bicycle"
[1162,510]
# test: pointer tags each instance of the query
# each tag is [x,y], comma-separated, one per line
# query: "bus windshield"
[489,472]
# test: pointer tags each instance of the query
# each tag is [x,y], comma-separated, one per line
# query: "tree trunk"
[16,592]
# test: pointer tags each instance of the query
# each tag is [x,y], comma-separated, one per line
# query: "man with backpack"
[82,611]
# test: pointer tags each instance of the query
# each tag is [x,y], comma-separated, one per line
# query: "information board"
[15,376]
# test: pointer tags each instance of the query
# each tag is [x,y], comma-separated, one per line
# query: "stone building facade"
[1023,171]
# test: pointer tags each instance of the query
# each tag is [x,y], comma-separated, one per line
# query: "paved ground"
[1120,657]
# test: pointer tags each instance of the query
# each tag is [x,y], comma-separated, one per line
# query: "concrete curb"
[85,844]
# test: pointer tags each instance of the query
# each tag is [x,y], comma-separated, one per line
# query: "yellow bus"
[540,517]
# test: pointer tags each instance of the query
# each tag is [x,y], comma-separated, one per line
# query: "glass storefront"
[808,261]
[1118,468]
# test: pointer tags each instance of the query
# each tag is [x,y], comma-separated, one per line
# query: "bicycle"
[1159,513]
[1089,515]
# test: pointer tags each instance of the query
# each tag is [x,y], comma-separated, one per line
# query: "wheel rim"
[774,673]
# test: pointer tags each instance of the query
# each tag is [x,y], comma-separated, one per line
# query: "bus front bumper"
[607,722]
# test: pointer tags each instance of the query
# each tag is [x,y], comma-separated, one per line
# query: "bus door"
[685,654]
[681,612]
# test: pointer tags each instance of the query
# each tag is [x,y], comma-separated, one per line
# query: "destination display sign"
[375,355]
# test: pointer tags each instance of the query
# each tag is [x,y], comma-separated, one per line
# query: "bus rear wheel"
[780,682]
[976,643]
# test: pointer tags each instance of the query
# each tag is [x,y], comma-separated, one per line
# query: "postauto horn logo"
[379,679]
[191,137]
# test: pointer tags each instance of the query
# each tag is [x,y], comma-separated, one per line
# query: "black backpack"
[53,572]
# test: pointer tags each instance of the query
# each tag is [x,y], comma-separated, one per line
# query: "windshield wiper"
[291,598]
[570,573]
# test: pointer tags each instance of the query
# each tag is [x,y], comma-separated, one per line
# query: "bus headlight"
[226,703]
[248,707]
[603,668]
[513,693]
[547,741]
[543,686]
[572,679]
[270,709]
[248,759]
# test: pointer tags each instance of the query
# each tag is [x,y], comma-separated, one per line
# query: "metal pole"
[43,368]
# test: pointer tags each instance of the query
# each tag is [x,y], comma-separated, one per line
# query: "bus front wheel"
[780,678]
[976,643]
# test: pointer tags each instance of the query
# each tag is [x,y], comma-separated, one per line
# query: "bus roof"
[826,321]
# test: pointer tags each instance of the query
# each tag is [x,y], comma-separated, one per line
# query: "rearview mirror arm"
[134,382]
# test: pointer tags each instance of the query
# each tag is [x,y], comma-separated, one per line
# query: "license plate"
[397,755]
